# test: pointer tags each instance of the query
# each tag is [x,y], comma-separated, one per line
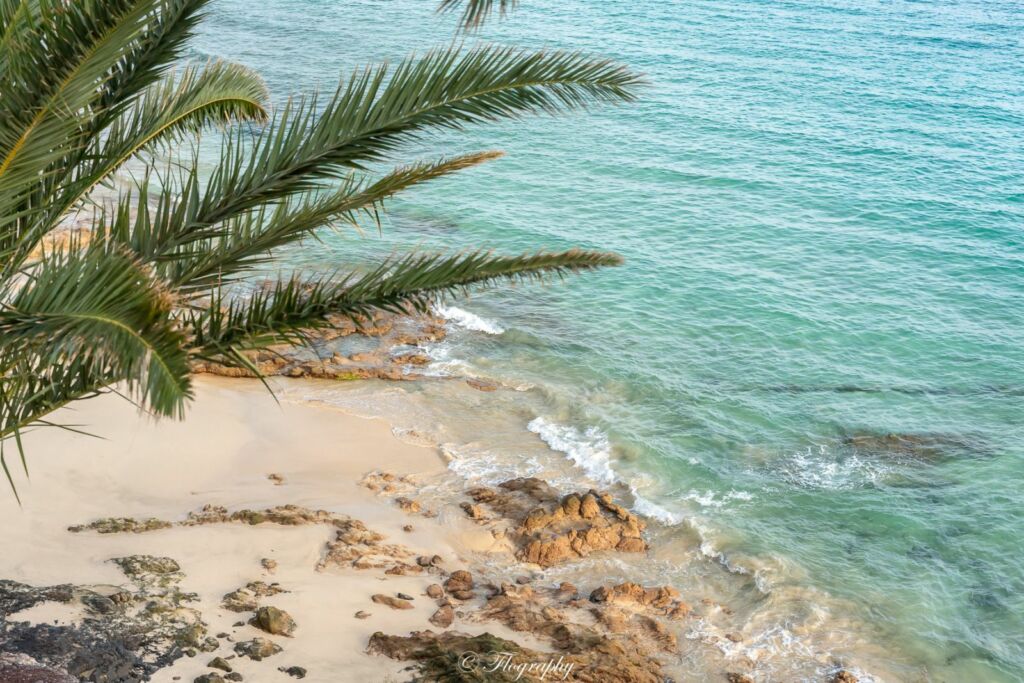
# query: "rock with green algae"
[121,525]
[257,649]
[274,621]
[129,633]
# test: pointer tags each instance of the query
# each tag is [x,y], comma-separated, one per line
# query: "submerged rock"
[294,671]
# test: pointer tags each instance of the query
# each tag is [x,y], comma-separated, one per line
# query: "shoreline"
[235,437]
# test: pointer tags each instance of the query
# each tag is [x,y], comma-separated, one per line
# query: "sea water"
[810,368]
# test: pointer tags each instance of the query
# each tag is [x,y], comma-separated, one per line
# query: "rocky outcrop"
[128,633]
[354,545]
[664,599]
[459,656]
[549,529]
[247,599]
[384,339]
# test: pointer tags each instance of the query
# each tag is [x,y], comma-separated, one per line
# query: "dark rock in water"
[294,671]
[404,596]
[209,678]
[274,621]
[233,676]
[923,447]
[124,640]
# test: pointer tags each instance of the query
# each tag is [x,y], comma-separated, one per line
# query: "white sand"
[234,437]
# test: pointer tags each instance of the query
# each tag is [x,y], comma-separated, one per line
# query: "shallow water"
[821,207]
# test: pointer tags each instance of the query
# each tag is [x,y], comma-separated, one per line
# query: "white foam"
[646,508]
[589,450]
[821,468]
[467,320]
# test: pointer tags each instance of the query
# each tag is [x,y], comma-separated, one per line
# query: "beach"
[127,491]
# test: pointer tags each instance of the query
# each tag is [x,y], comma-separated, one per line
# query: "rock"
[435,591]
[429,561]
[408,505]
[523,580]
[294,671]
[403,569]
[463,595]
[233,676]
[257,649]
[481,385]
[738,678]
[219,663]
[550,529]
[209,678]
[436,658]
[473,511]
[19,668]
[274,621]
[276,478]
[662,598]
[844,676]
[460,580]
[393,603]
[362,615]
[443,617]
[240,600]
[269,565]
[121,525]
[407,528]
[404,596]
[734,637]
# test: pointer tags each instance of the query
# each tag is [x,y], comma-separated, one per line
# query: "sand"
[234,436]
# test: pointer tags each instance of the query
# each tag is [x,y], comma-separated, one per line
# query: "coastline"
[159,492]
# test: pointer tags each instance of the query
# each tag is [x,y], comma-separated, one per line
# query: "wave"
[589,450]
[469,321]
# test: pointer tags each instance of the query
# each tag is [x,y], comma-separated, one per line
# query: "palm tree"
[90,86]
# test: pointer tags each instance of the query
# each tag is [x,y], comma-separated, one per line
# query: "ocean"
[810,370]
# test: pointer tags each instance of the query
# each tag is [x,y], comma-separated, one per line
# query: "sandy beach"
[235,437]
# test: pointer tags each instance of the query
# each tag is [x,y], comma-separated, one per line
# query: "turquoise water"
[821,207]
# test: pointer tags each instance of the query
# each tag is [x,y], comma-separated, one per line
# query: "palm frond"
[85,316]
[51,71]
[377,111]
[476,12]
[400,285]
[247,241]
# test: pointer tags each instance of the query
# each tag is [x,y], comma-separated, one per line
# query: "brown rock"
[844,676]
[274,621]
[738,678]
[362,615]
[474,511]
[460,580]
[443,617]
[269,565]
[257,649]
[219,663]
[408,505]
[435,591]
[393,603]
[407,528]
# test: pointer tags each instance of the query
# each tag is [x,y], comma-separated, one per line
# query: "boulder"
[274,621]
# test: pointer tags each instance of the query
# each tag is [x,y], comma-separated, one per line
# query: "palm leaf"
[476,12]
[409,283]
